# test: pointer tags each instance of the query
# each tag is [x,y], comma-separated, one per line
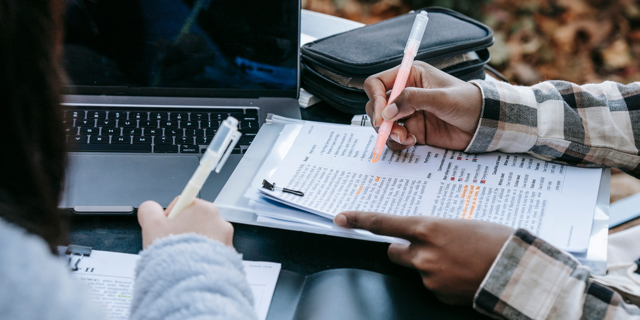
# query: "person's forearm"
[190,276]
[593,125]
[531,279]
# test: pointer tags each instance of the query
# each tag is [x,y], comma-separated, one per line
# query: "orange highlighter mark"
[474,204]
[464,191]
[377,179]
[359,190]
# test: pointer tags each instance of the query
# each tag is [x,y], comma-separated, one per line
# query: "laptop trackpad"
[126,180]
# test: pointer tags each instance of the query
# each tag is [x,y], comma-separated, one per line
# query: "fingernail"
[340,220]
[390,111]
[375,123]
[395,137]
[415,140]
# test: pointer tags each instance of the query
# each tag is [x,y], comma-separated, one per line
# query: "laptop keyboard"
[153,131]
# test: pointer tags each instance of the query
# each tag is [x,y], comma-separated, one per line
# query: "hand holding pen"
[410,51]
[436,108]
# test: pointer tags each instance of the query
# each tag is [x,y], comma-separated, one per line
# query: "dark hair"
[33,160]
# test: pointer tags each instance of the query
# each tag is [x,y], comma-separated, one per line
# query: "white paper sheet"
[110,276]
[332,165]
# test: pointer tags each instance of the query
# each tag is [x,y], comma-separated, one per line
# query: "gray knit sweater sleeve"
[190,276]
[178,277]
[35,284]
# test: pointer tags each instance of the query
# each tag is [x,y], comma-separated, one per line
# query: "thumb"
[379,223]
[150,212]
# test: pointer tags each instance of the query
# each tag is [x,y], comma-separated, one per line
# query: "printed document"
[110,277]
[332,165]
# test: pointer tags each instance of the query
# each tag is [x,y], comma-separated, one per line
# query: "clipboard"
[235,207]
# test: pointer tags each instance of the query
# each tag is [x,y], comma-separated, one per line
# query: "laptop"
[149,82]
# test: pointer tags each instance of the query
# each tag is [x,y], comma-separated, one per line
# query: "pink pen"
[410,51]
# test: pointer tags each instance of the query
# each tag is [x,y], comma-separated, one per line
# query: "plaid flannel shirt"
[595,125]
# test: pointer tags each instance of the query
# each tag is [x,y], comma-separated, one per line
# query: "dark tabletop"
[300,252]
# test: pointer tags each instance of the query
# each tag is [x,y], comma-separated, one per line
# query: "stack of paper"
[332,165]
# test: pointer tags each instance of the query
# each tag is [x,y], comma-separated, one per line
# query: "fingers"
[376,87]
[150,211]
[401,138]
[400,254]
[379,223]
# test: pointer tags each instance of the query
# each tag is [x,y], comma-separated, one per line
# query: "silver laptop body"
[151,80]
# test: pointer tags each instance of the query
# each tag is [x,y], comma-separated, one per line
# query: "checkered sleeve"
[594,125]
[531,279]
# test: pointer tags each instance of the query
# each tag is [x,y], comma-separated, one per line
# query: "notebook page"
[332,165]
[110,277]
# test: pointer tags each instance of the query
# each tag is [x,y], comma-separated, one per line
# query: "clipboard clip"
[272,186]
[73,250]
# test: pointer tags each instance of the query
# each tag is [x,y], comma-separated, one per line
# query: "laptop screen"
[217,48]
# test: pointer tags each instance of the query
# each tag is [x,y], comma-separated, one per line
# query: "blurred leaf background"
[582,41]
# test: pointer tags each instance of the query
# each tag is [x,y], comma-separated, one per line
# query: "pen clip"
[272,186]
[234,140]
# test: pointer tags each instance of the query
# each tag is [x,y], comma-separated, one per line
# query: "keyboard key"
[250,134]
[127,123]
[168,124]
[96,147]
[96,115]
[249,118]
[164,140]
[89,130]
[236,150]
[179,116]
[249,126]
[140,139]
[173,132]
[199,117]
[219,116]
[251,113]
[159,116]
[237,115]
[75,114]
[210,132]
[161,148]
[137,115]
[152,132]
[98,139]
[132,131]
[203,140]
[149,124]
[194,132]
[106,123]
[184,140]
[210,125]
[189,148]
[120,140]
[77,139]
[111,131]
[71,130]
[189,124]
[85,123]
[117,115]
[245,141]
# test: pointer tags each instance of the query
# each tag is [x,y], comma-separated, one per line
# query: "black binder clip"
[73,250]
[272,186]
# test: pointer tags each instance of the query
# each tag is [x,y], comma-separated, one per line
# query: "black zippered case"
[334,68]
